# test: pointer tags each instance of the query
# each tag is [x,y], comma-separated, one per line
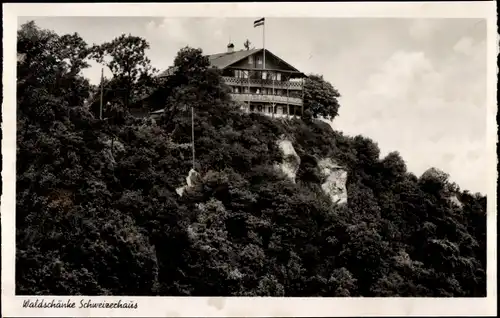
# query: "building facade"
[260,81]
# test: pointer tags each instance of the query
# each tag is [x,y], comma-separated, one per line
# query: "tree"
[320,97]
[193,84]
[50,65]
[126,58]
[191,65]
[435,181]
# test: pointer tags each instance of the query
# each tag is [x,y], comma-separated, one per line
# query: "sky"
[416,86]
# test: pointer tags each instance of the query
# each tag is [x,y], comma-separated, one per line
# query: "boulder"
[190,179]
[455,201]
[291,161]
[335,180]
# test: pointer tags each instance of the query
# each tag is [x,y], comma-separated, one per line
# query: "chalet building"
[260,81]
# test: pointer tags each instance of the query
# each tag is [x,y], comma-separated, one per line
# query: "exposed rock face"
[455,201]
[291,162]
[335,180]
[192,176]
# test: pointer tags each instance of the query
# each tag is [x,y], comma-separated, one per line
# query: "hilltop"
[275,208]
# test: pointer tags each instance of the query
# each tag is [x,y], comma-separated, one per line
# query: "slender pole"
[273,104]
[264,44]
[287,96]
[192,132]
[302,97]
[102,90]
[249,91]
[264,51]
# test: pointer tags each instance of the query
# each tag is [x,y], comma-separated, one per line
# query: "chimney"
[230,48]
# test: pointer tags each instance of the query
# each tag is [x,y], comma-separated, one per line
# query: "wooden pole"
[287,95]
[273,103]
[249,91]
[302,97]
[192,134]
[264,50]
[102,90]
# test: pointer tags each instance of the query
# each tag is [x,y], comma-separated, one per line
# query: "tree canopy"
[320,97]
[97,212]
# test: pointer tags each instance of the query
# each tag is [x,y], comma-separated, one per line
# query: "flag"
[259,22]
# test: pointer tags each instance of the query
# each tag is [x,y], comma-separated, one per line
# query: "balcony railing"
[232,81]
[261,98]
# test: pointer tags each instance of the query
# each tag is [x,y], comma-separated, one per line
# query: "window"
[278,76]
[264,75]
[259,60]
[250,59]
[246,90]
[240,74]
[236,90]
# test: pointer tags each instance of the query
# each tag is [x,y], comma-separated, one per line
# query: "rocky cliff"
[335,180]
[334,176]
[190,179]
[291,161]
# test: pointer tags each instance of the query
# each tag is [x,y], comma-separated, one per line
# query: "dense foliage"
[98,213]
[320,97]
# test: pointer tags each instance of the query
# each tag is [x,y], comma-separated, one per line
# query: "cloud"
[174,29]
[464,46]
[427,109]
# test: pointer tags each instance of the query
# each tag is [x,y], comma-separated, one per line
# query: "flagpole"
[264,46]
[264,43]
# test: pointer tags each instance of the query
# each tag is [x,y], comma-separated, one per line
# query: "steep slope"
[244,227]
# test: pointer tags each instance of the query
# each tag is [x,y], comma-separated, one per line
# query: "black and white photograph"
[249,156]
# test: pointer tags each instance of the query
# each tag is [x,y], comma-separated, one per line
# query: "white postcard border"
[239,306]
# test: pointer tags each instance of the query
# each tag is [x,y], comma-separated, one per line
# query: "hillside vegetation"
[97,212]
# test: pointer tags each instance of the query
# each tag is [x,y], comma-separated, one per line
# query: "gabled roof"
[223,60]
[226,59]
[168,72]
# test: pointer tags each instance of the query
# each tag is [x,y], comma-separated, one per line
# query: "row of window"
[269,109]
[263,91]
[264,75]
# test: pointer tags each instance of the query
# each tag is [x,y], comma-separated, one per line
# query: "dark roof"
[223,60]
[168,72]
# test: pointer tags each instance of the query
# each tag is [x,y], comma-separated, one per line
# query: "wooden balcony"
[261,98]
[237,81]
